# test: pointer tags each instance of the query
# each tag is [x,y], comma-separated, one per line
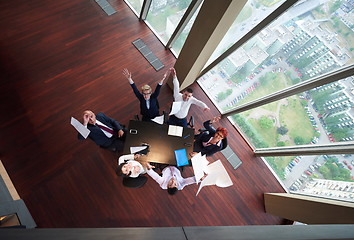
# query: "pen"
[187,136]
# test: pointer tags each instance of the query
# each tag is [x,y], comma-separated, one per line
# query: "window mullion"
[193,6]
[298,88]
[299,150]
[145,9]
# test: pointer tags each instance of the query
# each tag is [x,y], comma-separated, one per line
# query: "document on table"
[175,130]
[137,149]
[176,106]
[79,127]
[199,164]
[217,175]
[158,119]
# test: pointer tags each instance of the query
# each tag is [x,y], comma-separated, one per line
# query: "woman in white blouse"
[130,167]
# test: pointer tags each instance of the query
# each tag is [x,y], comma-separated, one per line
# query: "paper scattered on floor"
[217,175]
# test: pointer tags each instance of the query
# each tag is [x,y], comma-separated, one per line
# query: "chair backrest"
[224,143]
[134,182]
[191,122]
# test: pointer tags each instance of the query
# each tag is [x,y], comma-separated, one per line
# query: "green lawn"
[244,14]
[272,84]
[296,120]
[158,19]
[268,3]
[291,116]
[282,162]
[268,135]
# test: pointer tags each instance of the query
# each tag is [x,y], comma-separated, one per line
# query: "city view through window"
[310,39]
[136,5]
[163,17]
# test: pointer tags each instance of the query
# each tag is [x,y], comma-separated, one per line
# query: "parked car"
[350,167]
[308,172]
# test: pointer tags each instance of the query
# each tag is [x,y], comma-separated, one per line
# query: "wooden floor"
[59,58]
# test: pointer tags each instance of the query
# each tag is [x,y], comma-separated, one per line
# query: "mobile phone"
[133,131]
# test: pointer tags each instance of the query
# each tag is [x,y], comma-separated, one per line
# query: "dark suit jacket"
[153,111]
[205,137]
[96,133]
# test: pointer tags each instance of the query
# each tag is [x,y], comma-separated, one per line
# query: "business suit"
[98,136]
[153,111]
[205,137]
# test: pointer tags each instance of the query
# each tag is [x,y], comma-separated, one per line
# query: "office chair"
[165,117]
[191,122]
[134,182]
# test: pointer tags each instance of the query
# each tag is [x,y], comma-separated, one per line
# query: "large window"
[252,13]
[324,176]
[311,39]
[319,116]
[298,46]
[177,46]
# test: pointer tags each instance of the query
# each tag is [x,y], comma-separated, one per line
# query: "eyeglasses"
[145,94]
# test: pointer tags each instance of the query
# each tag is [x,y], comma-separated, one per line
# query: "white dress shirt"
[108,134]
[183,112]
[167,174]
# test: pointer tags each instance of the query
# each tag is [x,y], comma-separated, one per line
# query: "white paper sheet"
[199,164]
[217,175]
[137,149]
[176,106]
[223,179]
[158,119]
[79,127]
[207,181]
[175,130]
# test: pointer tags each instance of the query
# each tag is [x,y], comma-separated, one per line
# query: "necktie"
[105,128]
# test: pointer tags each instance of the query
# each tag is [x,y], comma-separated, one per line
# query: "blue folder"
[181,157]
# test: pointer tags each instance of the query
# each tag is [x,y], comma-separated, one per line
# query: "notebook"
[181,157]
[175,130]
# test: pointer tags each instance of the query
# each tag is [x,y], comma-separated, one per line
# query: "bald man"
[104,131]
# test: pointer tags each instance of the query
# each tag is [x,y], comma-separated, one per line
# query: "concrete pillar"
[212,23]
[309,210]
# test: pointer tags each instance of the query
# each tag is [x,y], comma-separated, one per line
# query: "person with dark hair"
[171,179]
[130,167]
[104,131]
[149,106]
[210,141]
[187,99]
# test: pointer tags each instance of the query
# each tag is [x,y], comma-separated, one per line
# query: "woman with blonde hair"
[149,106]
